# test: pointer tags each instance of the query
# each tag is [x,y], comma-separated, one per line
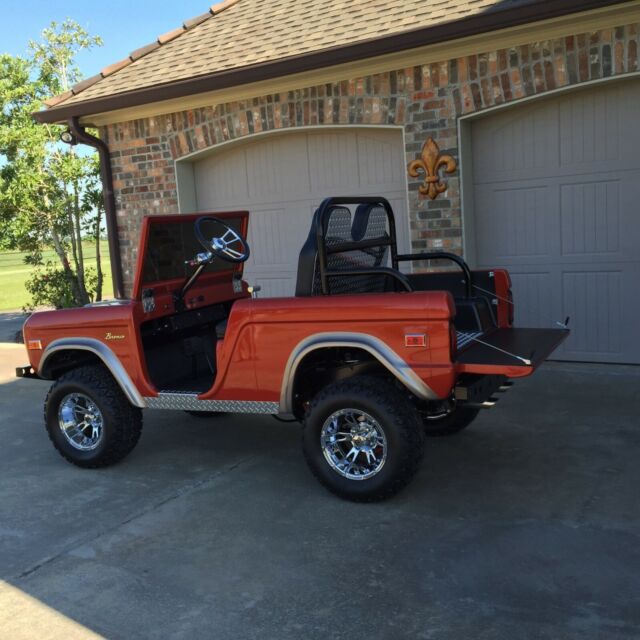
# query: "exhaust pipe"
[487,404]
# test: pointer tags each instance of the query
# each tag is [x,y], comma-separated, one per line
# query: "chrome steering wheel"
[230,246]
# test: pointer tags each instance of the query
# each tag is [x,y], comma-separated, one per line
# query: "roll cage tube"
[383,271]
[443,255]
[391,242]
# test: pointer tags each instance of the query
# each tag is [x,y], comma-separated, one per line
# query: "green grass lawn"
[14,272]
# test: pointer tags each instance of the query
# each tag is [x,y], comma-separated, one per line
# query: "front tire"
[362,439]
[89,420]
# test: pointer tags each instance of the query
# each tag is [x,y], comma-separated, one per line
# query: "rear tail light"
[415,340]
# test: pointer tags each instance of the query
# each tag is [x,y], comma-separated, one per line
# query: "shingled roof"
[236,35]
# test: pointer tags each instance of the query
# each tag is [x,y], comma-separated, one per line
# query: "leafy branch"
[49,193]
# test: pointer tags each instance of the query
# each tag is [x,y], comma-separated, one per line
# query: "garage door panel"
[585,131]
[269,229]
[629,98]
[275,169]
[222,178]
[590,128]
[513,224]
[532,307]
[262,171]
[522,143]
[590,218]
[333,164]
[266,179]
[569,232]
[593,299]
[381,162]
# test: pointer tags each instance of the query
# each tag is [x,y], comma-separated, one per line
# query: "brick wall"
[426,100]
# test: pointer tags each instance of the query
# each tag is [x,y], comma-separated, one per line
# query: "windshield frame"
[206,276]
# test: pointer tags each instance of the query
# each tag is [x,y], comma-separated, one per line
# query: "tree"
[49,193]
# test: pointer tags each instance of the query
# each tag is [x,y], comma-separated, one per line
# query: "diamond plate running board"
[189,402]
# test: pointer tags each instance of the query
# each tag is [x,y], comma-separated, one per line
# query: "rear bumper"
[27,372]
[476,389]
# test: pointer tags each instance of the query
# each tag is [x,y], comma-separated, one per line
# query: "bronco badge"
[113,336]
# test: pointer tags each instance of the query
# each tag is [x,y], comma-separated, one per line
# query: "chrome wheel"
[354,444]
[80,421]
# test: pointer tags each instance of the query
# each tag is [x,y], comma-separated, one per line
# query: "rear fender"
[386,356]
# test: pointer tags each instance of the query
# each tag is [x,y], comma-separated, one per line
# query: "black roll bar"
[443,255]
[374,271]
[321,229]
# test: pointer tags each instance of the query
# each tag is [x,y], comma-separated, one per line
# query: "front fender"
[104,353]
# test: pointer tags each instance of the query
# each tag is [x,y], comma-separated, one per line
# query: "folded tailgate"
[511,352]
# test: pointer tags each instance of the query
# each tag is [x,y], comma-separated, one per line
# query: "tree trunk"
[59,249]
[98,256]
[78,236]
[74,251]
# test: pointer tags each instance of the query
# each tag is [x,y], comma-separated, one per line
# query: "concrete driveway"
[525,526]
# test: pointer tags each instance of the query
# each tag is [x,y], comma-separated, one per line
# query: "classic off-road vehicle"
[368,358]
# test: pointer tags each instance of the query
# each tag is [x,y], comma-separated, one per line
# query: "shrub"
[51,287]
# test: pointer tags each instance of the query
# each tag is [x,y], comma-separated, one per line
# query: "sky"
[124,26]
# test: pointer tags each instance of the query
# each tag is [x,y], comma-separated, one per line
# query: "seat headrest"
[338,225]
[338,229]
[369,221]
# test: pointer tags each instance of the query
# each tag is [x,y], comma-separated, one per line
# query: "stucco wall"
[426,100]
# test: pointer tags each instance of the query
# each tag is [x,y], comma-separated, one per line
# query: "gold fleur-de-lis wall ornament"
[430,162]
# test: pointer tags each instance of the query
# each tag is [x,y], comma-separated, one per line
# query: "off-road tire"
[122,422]
[459,419]
[399,420]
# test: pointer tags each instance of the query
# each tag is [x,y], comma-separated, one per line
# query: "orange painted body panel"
[262,333]
[516,371]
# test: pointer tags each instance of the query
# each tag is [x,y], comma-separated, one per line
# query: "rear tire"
[362,439]
[454,422]
[90,396]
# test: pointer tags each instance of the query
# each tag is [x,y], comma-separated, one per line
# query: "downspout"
[106,176]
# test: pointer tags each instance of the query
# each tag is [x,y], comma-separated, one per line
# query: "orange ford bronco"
[368,358]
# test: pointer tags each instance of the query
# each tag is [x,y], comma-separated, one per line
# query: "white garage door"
[557,202]
[282,178]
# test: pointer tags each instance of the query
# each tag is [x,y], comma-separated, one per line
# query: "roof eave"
[473,25]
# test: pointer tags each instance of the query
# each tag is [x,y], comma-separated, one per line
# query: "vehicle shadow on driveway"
[525,525]
[10,324]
